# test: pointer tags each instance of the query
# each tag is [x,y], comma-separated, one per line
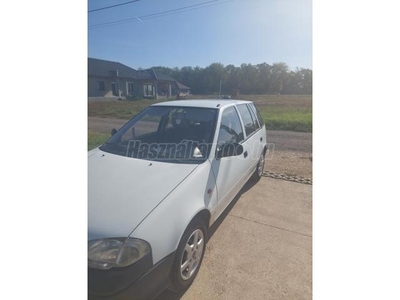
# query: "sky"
[223,31]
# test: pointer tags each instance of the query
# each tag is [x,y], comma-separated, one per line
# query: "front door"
[230,172]
[114,88]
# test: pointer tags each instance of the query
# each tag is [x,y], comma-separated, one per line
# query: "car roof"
[206,103]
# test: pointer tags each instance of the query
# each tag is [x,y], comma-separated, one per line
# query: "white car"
[158,184]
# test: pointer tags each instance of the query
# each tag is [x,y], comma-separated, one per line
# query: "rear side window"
[253,115]
[260,119]
[230,130]
[248,121]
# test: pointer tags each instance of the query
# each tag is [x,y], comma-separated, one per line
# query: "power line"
[112,6]
[150,15]
[160,14]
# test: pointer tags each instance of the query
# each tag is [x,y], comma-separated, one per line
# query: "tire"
[189,256]
[259,169]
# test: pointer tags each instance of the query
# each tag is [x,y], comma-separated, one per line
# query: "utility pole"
[220,85]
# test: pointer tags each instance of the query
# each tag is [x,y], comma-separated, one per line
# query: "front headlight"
[107,253]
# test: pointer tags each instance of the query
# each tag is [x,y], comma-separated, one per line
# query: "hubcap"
[192,254]
[261,165]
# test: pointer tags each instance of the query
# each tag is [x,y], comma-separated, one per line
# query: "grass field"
[293,113]
[118,109]
[285,112]
[95,139]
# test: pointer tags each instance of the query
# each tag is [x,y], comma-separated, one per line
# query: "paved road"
[290,140]
[104,125]
[260,249]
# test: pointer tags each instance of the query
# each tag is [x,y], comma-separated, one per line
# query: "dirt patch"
[291,153]
[290,163]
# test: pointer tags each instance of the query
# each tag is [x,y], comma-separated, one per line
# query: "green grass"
[287,119]
[96,139]
[284,112]
[118,109]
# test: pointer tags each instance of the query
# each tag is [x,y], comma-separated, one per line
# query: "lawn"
[118,109]
[292,113]
[96,139]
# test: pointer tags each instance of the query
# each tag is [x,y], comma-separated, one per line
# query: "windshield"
[166,133]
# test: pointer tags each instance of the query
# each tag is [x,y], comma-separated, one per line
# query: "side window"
[231,128]
[260,119]
[255,122]
[247,119]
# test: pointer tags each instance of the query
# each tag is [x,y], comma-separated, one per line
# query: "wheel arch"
[204,215]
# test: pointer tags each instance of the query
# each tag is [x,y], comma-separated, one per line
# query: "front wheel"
[260,168]
[188,256]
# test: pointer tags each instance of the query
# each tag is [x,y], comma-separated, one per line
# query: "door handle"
[261,139]
[245,154]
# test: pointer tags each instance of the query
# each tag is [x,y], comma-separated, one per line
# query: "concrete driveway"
[261,247]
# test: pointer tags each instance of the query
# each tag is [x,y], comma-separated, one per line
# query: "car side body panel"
[165,225]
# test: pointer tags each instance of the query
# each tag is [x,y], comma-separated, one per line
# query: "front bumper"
[140,281]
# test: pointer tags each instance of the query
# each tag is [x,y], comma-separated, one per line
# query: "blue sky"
[224,31]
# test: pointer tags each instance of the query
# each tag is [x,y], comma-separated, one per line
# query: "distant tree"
[249,79]
[232,79]
[214,73]
[264,78]
[306,77]
[279,76]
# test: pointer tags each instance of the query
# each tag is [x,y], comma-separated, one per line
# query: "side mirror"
[229,149]
[113,131]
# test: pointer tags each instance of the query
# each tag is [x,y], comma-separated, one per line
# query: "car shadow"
[249,184]
[170,295]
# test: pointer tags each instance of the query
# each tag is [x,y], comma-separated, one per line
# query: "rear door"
[254,139]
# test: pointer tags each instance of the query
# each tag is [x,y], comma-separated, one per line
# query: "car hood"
[123,191]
